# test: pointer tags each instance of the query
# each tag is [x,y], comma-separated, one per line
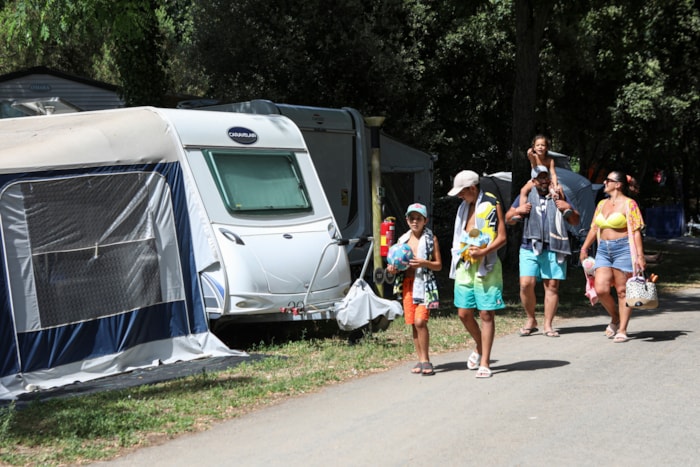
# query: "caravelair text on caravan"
[265,242]
[340,147]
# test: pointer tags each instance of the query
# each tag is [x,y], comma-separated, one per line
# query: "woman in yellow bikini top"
[615,219]
[611,215]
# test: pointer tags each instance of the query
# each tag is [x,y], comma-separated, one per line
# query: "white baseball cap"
[464,179]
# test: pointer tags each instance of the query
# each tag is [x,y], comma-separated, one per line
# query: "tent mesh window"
[93,244]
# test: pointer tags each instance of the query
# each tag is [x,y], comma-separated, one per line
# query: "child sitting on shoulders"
[538,154]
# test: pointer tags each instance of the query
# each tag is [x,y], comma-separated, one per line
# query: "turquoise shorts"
[542,266]
[481,293]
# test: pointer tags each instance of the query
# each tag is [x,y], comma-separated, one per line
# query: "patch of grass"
[100,426]
[678,267]
[97,427]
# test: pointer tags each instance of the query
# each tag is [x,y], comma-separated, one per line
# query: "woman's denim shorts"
[614,254]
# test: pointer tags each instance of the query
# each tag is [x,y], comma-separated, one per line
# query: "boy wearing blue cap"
[417,286]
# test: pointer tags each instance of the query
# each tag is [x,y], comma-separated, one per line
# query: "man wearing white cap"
[479,232]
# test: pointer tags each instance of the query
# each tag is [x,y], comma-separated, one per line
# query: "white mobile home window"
[84,247]
[258,182]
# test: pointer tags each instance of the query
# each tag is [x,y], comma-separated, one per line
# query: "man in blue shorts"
[544,249]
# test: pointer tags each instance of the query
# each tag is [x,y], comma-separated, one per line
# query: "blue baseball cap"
[419,208]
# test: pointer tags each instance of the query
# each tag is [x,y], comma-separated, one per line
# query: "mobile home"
[340,146]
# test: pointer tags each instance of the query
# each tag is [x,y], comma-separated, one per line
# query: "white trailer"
[261,227]
[340,146]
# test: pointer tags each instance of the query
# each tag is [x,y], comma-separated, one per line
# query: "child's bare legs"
[488,330]
[421,339]
[483,337]
[466,315]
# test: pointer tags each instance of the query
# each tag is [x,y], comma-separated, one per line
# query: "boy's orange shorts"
[411,310]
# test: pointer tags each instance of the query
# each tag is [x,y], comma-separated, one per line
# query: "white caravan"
[340,146]
[266,245]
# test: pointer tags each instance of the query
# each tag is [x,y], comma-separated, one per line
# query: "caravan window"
[257,182]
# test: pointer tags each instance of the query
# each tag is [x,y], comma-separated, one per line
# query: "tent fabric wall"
[74,243]
[664,221]
[580,192]
[40,351]
[577,188]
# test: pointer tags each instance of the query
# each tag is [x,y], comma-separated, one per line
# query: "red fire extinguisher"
[387,235]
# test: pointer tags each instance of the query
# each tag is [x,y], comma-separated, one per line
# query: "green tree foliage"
[315,52]
[471,78]
[35,33]
[438,71]
[620,89]
[113,40]
[139,53]
[531,18]
[614,82]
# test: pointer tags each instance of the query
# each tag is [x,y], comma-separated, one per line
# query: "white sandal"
[620,338]
[474,360]
[484,372]
[611,330]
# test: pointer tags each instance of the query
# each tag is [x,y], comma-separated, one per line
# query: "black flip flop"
[418,366]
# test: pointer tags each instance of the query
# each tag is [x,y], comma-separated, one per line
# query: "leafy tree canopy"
[613,82]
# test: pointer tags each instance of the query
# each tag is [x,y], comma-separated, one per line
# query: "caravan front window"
[258,182]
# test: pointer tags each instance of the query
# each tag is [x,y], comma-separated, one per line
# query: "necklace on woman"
[613,201]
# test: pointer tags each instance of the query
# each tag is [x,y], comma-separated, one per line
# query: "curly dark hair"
[545,138]
[628,183]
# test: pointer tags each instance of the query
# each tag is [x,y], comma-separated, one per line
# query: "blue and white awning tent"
[98,275]
[577,188]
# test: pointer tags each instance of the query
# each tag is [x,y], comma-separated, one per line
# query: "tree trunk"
[530,20]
